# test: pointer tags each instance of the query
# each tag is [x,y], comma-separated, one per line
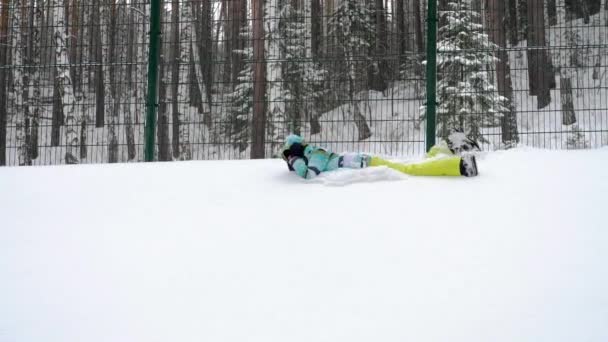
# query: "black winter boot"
[468,166]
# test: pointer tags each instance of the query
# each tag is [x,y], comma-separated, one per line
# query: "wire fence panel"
[236,76]
[523,72]
[73,81]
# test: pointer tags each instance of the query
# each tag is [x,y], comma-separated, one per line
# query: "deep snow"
[245,251]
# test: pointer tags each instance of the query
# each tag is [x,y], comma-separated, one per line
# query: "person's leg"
[448,166]
[440,148]
[348,160]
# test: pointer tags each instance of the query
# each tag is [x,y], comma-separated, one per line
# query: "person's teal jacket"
[308,161]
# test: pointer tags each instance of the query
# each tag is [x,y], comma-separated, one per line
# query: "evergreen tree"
[352,27]
[276,119]
[238,122]
[467,98]
[302,78]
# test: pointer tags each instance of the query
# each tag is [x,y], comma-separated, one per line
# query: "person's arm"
[299,165]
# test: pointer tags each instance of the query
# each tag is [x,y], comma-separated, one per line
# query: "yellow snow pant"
[442,162]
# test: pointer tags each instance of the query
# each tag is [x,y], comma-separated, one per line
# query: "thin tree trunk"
[132,39]
[206,57]
[401,32]
[66,92]
[418,28]
[329,8]
[108,34]
[259,83]
[496,14]
[99,42]
[175,77]
[74,20]
[34,87]
[316,33]
[362,128]
[601,51]
[57,115]
[200,82]
[164,144]
[551,13]
[522,14]
[512,22]
[183,90]
[276,106]
[23,156]
[83,75]
[538,61]
[4,12]
[379,70]
[566,72]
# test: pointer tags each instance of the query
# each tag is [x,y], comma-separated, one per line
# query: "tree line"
[244,73]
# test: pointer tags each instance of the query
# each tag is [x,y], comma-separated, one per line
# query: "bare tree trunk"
[401,32]
[34,76]
[100,90]
[132,39]
[57,115]
[4,12]
[206,57]
[175,77]
[83,75]
[378,71]
[316,33]
[183,90]
[23,156]
[601,51]
[276,106]
[496,14]
[329,9]
[551,13]
[538,61]
[66,92]
[522,14]
[565,73]
[235,20]
[418,28]
[362,128]
[74,20]
[164,144]
[108,33]
[228,19]
[585,9]
[259,83]
[512,22]
[200,82]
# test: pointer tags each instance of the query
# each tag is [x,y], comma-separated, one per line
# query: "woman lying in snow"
[308,160]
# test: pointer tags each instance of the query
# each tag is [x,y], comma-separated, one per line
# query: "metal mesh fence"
[236,76]
[523,72]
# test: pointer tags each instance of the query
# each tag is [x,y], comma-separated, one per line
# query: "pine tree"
[467,99]
[302,77]
[352,27]
[238,122]
[277,122]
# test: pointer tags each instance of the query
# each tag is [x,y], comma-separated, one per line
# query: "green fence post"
[152,104]
[431,74]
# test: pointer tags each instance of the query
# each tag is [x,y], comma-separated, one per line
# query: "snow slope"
[245,251]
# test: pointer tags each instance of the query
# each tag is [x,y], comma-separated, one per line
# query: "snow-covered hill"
[245,251]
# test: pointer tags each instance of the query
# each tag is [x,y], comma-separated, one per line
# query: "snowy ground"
[245,251]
